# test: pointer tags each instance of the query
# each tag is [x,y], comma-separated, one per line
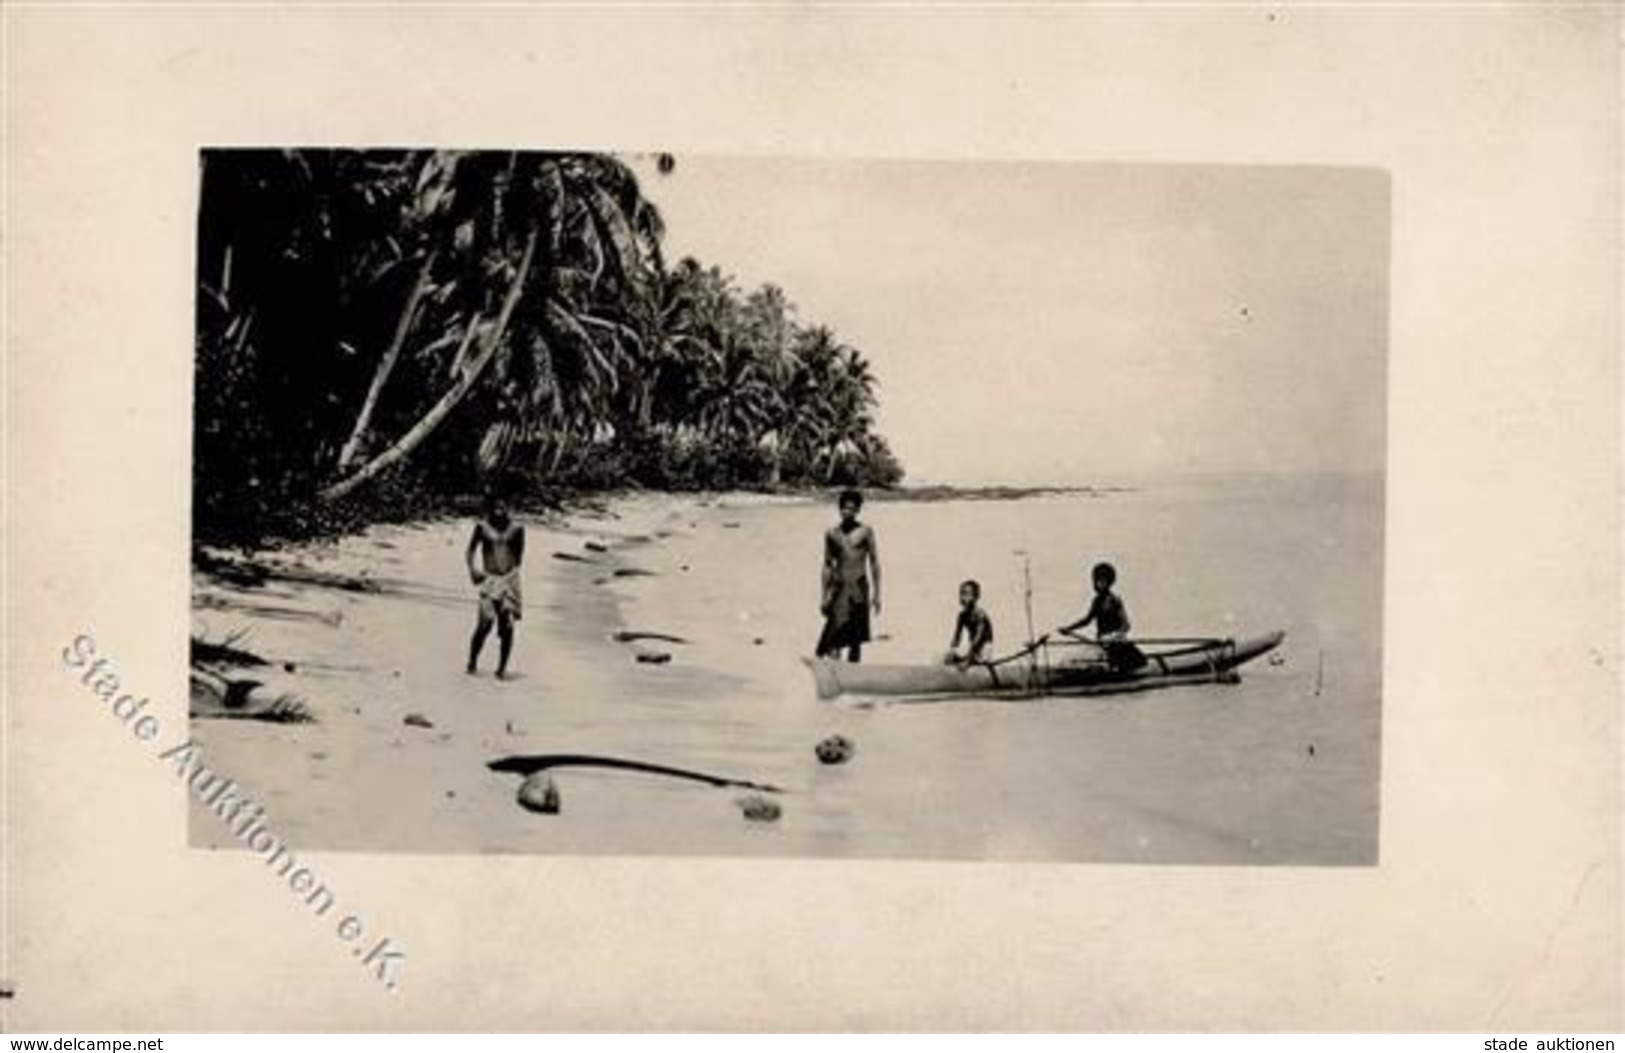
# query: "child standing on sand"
[973,624]
[500,543]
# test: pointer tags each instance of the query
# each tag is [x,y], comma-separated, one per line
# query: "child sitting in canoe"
[973,625]
[1109,615]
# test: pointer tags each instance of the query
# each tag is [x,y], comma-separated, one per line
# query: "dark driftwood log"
[634,635]
[528,765]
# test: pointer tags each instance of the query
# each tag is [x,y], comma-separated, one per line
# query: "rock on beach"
[538,794]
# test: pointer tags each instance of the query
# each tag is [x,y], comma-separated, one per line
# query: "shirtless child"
[500,543]
[1110,617]
[850,557]
[973,625]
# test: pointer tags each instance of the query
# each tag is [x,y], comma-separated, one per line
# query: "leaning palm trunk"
[454,395]
[386,365]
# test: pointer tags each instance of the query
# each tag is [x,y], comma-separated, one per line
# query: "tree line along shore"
[389,334]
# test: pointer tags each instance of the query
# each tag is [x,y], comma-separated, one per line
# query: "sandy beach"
[1281,768]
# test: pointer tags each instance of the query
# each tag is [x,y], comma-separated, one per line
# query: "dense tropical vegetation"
[382,333]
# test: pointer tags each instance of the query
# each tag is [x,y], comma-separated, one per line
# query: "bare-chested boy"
[500,543]
[851,556]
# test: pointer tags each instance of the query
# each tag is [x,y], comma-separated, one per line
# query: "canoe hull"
[1027,677]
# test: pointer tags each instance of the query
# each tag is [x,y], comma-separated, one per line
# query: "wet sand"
[1282,768]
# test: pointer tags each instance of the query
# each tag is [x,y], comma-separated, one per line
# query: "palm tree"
[515,308]
[294,250]
[813,407]
[737,399]
[434,182]
[852,398]
[576,222]
[578,357]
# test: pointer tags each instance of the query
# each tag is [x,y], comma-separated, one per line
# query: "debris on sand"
[759,809]
[654,657]
[226,652]
[635,635]
[571,557]
[233,572]
[217,602]
[633,572]
[538,794]
[417,720]
[837,749]
[596,546]
[215,697]
[250,574]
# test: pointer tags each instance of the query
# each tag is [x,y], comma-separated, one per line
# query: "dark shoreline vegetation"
[397,505]
[387,335]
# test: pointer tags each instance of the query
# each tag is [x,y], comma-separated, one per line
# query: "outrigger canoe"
[1046,669]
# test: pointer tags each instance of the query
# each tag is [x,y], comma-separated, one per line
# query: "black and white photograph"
[810,518]
[551,502]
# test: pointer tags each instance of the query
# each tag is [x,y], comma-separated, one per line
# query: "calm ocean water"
[1282,768]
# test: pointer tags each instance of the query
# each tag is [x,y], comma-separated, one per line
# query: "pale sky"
[1064,323]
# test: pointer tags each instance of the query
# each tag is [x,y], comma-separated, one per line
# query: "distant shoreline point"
[946,492]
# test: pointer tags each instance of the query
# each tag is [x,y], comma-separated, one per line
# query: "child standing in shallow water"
[851,560]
